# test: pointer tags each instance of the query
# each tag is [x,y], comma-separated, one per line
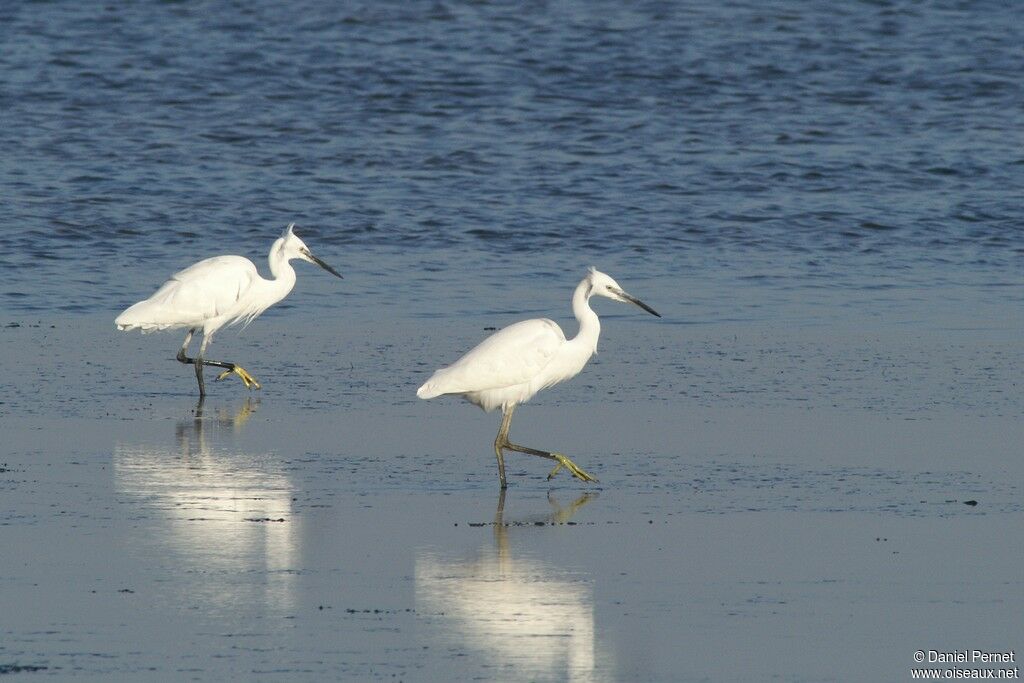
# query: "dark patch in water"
[20,668]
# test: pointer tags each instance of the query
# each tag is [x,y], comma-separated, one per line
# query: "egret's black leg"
[502,442]
[229,368]
[184,347]
[198,362]
[199,376]
[182,358]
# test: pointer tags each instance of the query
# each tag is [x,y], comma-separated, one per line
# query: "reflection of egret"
[533,621]
[187,431]
[218,510]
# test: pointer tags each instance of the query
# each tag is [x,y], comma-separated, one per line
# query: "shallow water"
[227,546]
[342,529]
[810,466]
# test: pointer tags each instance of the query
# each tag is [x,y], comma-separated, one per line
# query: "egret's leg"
[184,347]
[229,368]
[182,358]
[500,512]
[562,461]
[198,362]
[236,369]
[500,441]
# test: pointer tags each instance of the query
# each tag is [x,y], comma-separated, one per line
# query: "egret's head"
[291,247]
[604,285]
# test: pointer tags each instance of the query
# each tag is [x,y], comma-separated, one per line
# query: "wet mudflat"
[314,534]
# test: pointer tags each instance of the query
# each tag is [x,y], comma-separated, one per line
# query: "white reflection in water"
[531,620]
[223,515]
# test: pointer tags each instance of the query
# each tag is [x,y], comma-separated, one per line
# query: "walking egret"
[513,364]
[218,291]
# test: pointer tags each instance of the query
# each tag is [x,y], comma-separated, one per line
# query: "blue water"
[781,146]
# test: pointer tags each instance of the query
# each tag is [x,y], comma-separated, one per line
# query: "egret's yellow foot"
[568,464]
[247,379]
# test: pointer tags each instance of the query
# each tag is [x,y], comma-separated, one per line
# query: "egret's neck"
[284,275]
[590,326]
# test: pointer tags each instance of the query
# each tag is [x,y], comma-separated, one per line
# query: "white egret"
[218,291]
[513,364]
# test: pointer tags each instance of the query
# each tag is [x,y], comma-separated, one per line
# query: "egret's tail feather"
[440,383]
[429,390]
[142,316]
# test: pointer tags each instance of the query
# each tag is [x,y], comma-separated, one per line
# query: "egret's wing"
[204,290]
[207,289]
[511,356]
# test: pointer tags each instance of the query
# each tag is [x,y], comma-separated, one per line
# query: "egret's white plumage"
[513,364]
[209,294]
[510,366]
[219,291]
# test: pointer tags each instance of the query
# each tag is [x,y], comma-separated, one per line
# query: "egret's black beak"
[641,304]
[320,263]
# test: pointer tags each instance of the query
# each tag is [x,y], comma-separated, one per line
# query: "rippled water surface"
[804,143]
[810,466]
